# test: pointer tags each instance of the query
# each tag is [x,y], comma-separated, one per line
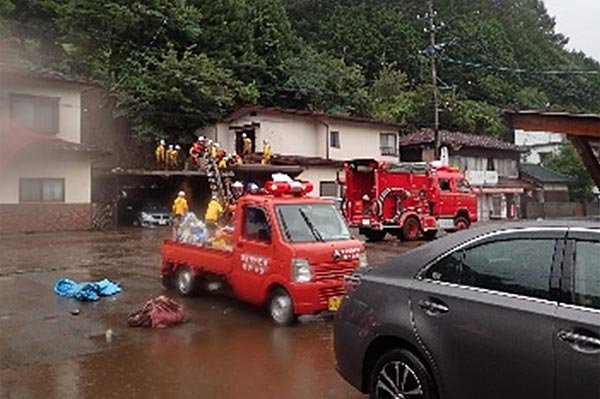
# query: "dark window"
[587,274]
[334,139]
[42,190]
[446,270]
[445,185]
[389,144]
[463,186]
[328,189]
[256,225]
[35,112]
[519,267]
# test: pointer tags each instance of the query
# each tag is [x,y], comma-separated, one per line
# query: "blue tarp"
[86,291]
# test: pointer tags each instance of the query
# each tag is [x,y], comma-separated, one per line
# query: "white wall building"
[318,142]
[540,144]
[45,172]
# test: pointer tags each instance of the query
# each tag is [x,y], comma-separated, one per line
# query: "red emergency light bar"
[296,187]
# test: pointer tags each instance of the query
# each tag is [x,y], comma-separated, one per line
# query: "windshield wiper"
[311,226]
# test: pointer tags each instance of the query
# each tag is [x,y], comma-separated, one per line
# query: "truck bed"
[199,258]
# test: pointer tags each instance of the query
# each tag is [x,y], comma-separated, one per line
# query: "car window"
[519,267]
[256,225]
[444,184]
[587,274]
[447,269]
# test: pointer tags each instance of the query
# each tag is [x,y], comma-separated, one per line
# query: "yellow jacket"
[180,206]
[213,212]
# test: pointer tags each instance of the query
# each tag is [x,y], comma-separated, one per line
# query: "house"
[550,186]
[318,142]
[490,164]
[540,145]
[45,170]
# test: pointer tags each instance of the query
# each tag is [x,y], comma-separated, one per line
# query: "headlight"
[362,260]
[301,271]
[146,215]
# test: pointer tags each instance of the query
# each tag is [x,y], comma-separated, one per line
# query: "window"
[334,139]
[445,185]
[312,223]
[328,189]
[42,190]
[388,144]
[36,112]
[463,186]
[587,274]
[519,267]
[256,225]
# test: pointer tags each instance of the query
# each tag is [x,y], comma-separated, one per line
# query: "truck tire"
[281,308]
[411,229]
[185,281]
[374,235]
[461,223]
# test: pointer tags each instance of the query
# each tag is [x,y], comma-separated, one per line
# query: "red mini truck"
[288,252]
[406,199]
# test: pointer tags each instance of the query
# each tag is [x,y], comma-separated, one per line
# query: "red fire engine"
[287,251]
[406,199]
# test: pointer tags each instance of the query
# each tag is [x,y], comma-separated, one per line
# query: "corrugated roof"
[457,140]
[319,116]
[542,174]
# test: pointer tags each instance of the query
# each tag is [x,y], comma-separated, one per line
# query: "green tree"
[568,163]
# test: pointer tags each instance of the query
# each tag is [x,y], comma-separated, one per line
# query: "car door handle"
[580,342]
[433,307]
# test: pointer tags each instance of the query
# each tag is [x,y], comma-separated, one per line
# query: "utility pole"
[432,31]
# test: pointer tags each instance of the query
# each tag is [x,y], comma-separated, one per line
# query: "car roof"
[409,264]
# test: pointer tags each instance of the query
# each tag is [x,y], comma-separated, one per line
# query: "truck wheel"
[430,235]
[461,223]
[374,235]
[185,281]
[411,229]
[281,308]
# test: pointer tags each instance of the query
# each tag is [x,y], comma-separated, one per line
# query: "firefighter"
[197,150]
[159,154]
[176,156]
[237,190]
[267,153]
[180,208]
[169,156]
[214,211]
[247,147]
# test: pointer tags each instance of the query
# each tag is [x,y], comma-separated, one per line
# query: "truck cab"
[289,253]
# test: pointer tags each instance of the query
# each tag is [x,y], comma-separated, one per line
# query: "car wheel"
[281,308]
[185,282]
[400,374]
[411,229]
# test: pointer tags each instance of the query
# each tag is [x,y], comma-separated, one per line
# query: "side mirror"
[264,235]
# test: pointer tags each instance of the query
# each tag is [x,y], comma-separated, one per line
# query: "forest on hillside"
[177,65]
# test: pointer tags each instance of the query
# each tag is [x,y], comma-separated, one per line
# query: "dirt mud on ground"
[227,350]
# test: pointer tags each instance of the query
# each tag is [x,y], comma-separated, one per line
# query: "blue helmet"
[252,188]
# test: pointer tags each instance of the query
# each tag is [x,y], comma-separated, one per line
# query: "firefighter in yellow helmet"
[214,211]
[160,153]
[180,208]
[247,147]
[267,153]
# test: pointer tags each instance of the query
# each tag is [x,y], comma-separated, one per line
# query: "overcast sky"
[578,20]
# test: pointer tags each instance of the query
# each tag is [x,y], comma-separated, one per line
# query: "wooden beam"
[583,147]
[572,125]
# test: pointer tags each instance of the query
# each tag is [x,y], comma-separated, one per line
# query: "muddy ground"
[227,350]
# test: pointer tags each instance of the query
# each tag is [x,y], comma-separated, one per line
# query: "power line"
[496,68]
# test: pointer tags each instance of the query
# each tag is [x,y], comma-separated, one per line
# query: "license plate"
[366,222]
[334,303]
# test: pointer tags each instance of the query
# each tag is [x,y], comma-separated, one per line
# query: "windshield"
[312,223]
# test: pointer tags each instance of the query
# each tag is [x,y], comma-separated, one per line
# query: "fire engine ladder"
[219,181]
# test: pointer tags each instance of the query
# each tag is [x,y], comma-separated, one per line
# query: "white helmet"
[170,146]
[181,194]
[244,135]
[162,142]
[178,147]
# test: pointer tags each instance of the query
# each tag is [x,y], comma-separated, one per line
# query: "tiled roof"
[46,74]
[305,114]
[457,139]
[542,174]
